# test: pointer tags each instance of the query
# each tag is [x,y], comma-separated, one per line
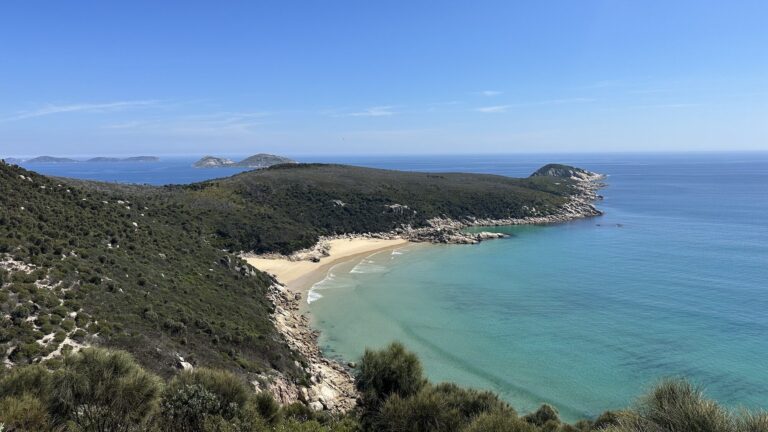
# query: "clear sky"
[357,77]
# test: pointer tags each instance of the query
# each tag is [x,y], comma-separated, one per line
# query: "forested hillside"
[154,270]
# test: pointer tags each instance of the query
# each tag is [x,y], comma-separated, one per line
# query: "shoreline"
[332,384]
[301,275]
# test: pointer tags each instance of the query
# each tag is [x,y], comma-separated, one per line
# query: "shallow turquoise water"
[585,315]
[579,315]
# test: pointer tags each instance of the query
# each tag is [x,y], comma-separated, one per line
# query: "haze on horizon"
[398,77]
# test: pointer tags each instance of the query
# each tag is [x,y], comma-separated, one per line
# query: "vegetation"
[101,390]
[153,270]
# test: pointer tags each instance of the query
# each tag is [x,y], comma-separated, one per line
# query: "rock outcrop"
[331,386]
[213,162]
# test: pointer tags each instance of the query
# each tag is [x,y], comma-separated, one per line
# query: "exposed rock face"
[332,386]
[213,162]
[263,160]
[566,171]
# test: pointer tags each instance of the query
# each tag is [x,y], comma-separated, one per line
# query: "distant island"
[50,159]
[54,159]
[261,160]
[128,159]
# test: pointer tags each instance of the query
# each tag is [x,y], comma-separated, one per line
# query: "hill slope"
[147,269]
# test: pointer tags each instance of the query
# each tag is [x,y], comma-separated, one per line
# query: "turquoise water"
[584,315]
[672,281]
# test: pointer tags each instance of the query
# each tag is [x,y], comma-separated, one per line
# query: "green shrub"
[676,405]
[545,414]
[444,407]
[103,390]
[23,413]
[25,353]
[193,396]
[391,371]
[34,380]
[497,421]
[297,411]
[67,324]
[753,422]
[266,406]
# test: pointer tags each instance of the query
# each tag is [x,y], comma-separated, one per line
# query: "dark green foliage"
[545,414]
[497,421]
[35,380]
[677,405]
[391,371]
[99,390]
[153,289]
[753,422]
[267,407]
[23,413]
[103,391]
[606,419]
[193,397]
[444,407]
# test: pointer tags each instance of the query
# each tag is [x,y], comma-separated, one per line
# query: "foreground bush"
[391,371]
[23,413]
[194,397]
[101,390]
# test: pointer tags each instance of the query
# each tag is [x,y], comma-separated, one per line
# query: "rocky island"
[128,159]
[53,159]
[50,159]
[257,161]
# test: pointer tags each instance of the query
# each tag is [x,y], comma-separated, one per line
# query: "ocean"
[671,281]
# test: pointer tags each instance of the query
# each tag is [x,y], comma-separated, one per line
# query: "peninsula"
[142,268]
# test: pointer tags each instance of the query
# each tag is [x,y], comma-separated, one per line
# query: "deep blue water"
[671,281]
[173,170]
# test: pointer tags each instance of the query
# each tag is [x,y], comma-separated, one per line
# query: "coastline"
[332,384]
[299,275]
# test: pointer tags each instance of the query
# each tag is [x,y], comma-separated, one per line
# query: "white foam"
[313,295]
[368,266]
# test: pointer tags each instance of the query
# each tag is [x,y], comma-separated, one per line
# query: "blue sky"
[360,77]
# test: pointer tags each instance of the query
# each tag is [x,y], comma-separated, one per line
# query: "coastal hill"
[157,271]
[87,265]
[257,161]
[143,266]
[213,162]
[564,171]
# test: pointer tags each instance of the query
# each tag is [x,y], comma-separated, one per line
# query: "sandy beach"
[332,386]
[299,276]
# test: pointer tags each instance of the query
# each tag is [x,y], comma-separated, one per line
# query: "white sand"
[301,275]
